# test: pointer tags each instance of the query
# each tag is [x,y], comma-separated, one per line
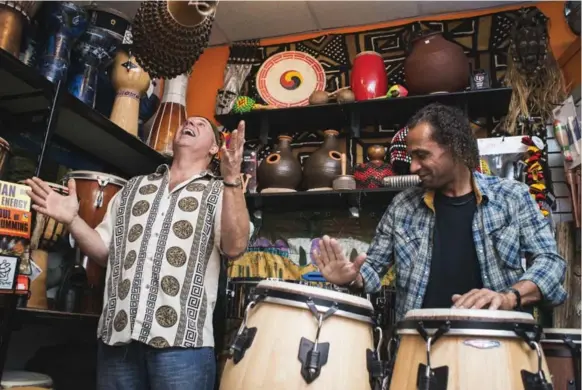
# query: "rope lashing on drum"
[431,379]
[313,355]
[533,381]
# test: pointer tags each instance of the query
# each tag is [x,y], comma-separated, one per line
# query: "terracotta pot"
[368,78]
[323,165]
[281,169]
[371,173]
[436,65]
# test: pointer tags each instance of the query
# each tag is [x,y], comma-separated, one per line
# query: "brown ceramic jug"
[435,65]
[280,170]
[323,165]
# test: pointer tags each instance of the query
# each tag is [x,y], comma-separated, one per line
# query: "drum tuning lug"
[241,343]
[536,381]
[313,356]
[377,369]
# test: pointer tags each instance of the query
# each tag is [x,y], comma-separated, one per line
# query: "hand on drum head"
[333,264]
[46,201]
[482,299]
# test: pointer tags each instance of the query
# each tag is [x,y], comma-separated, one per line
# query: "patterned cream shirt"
[164,261]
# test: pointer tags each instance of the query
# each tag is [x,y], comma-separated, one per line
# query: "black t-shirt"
[454,267]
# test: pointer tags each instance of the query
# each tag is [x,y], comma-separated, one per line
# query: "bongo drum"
[460,349]
[47,231]
[94,190]
[25,380]
[295,336]
[562,350]
[130,82]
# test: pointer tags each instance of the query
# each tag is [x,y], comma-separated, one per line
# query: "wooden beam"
[568,314]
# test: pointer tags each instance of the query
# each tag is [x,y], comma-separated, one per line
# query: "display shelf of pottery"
[323,165]
[280,171]
[370,174]
[344,181]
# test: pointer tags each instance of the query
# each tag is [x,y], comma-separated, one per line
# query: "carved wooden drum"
[295,336]
[460,349]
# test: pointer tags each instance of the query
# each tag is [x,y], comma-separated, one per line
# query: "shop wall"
[208,72]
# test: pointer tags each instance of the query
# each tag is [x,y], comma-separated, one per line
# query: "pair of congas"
[295,336]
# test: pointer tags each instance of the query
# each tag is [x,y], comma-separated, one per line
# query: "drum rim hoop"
[37,378]
[50,183]
[457,327]
[556,335]
[364,304]
[92,175]
[297,297]
[469,314]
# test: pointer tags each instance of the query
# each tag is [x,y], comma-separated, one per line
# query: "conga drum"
[462,349]
[368,78]
[25,380]
[562,350]
[94,190]
[130,82]
[297,337]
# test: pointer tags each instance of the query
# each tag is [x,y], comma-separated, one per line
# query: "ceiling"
[240,20]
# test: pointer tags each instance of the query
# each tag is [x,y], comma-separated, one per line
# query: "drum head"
[17,379]
[557,335]
[470,314]
[299,291]
[92,175]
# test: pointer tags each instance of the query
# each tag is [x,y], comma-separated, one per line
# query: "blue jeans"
[137,366]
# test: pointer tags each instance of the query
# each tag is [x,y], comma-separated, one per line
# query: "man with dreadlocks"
[459,240]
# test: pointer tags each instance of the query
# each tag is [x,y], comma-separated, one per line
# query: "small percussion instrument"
[25,380]
[293,336]
[458,349]
[95,50]
[14,16]
[562,350]
[344,181]
[65,23]
[4,155]
[130,82]
[94,190]
[38,287]
[368,78]
[170,115]
[47,231]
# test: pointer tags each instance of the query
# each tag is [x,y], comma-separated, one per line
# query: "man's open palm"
[50,203]
[334,265]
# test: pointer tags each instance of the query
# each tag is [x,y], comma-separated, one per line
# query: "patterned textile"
[507,226]
[484,38]
[164,261]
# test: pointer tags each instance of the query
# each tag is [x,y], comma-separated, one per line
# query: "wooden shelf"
[354,116]
[376,198]
[25,93]
[52,317]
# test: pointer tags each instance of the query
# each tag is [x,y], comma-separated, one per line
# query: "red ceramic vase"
[368,79]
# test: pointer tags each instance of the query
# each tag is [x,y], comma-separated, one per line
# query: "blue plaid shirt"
[507,226]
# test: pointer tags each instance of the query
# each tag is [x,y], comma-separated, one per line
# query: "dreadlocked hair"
[451,130]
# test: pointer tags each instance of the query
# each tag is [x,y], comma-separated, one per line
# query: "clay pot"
[280,170]
[323,165]
[370,174]
[435,65]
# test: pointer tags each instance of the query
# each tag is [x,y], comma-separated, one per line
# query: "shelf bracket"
[50,126]
[264,130]
[354,123]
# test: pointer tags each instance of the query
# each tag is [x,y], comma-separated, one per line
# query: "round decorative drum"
[287,79]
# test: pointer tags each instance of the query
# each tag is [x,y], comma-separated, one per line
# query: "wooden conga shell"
[130,82]
[272,361]
[467,351]
[559,356]
[38,299]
